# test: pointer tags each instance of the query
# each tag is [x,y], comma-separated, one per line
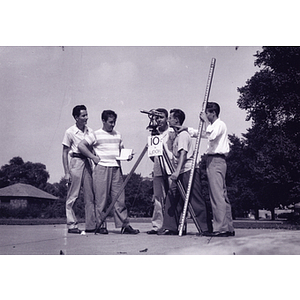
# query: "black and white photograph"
[148,134]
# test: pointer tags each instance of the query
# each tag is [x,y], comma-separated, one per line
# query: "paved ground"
[54,240]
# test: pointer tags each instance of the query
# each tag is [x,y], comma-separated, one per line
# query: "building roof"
[25,190]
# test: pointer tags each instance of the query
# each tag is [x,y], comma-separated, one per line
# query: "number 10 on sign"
[155,146]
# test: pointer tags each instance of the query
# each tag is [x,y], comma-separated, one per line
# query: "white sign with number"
[155,146]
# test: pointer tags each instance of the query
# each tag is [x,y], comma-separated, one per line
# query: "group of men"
[103,180]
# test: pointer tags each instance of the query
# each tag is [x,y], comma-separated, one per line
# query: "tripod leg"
[165,187]
[122,188]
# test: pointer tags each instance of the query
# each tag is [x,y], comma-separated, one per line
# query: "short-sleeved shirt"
[107,146]
[73,136]
[217,138]
[168,137]
[183,141]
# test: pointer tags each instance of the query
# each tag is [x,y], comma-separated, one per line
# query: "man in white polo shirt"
[218,148]
[107,175]
[78,171]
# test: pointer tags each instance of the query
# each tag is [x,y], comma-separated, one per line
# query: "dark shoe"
[205,233]
[102,230]
[152,231]
[90,230]
[74,230]
[221,234]
[168,232]
[129,230]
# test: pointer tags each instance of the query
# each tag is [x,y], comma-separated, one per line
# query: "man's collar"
[85,129]
[217,119]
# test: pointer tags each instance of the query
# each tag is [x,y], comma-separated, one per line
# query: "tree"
[271,99]
[138,196]
[238,178]
[35,174]
[19,172]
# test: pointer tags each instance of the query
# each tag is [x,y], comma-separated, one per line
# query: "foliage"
[138,192]
[35,174]
[138,195]
[17,171]
[35,210]
[271,156]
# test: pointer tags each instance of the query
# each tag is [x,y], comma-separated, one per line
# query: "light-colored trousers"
[216,168]
[81,175]
[160,190]
[107,181]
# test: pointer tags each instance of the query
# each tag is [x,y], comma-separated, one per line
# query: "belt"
[78,155]
[217,155]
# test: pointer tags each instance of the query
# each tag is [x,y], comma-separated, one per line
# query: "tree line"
[263,165]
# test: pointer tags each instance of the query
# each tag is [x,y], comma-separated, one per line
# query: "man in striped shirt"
[107,175]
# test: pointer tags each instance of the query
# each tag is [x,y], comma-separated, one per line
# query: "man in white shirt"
[78,171]
[218,149]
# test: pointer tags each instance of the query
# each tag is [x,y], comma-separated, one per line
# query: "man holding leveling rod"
[218,148]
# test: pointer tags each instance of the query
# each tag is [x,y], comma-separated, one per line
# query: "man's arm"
[181,161]
[65,161]
[84,149]
[193,132]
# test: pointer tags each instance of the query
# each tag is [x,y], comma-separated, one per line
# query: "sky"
[40,85]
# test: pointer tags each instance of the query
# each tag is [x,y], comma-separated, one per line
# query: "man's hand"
[130,157]
[174,176]
[96,159]
[203,117]
[68,178]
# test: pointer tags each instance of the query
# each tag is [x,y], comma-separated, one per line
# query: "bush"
[55,209]
[20,212]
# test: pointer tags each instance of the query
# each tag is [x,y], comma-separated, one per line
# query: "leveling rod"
[194,161]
